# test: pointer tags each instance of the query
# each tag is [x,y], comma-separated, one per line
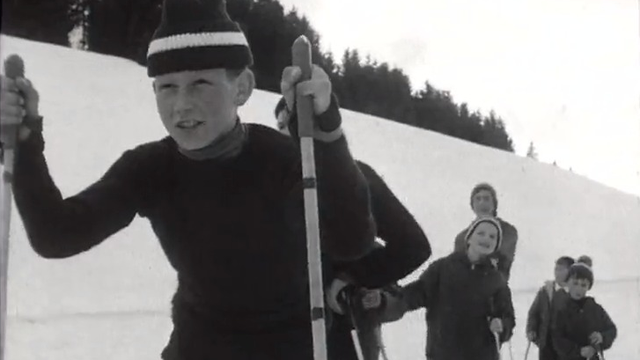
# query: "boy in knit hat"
[225,199]
[466,298]
[484,203]
[583,329]
[405,248]
[548,301]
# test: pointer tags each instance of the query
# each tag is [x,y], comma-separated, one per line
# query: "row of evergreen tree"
[124,27]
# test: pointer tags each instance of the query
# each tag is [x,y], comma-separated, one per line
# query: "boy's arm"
[610,331]
[406,245]
[504,311]
[347,229]
[415,295]
[59,227]
[533,318]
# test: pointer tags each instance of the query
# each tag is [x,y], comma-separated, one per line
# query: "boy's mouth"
[188,124]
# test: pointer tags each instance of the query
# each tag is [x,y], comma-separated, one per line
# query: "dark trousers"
[547,352]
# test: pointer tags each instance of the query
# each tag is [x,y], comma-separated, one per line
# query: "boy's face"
[578,288]
[196,107]
[561,272]
[484,239]
[483,204]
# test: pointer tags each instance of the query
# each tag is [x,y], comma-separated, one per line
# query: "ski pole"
[383,349]
[496,336]
[355,333]
[601,351]
[13,68]
[301,54]
[526,354]
[510,350]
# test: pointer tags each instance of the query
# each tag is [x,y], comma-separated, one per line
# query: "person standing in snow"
[484,203]
[551,297]
[225,199]
[467,300]
[405,248]
[583,328]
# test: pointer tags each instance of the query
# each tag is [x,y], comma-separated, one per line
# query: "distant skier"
[484,203]
[225,199]
[583,328]
[549,300]
[467,300]
[406,248]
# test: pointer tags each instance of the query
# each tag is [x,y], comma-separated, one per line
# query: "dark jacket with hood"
[233,229]
[574,325]
[460,299]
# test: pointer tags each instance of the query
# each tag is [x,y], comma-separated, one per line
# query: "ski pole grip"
[301,57]
[13,69]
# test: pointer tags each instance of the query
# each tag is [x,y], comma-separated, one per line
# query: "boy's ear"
[246,84]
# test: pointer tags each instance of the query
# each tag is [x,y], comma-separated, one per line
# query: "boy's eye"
[167,86]
[202,82]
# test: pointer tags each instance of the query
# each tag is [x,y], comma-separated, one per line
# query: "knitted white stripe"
[183,41]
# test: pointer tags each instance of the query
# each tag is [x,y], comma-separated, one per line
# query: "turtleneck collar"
[226,146]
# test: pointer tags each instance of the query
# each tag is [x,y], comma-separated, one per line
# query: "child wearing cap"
[583,329]
[466,298]
[549,299]
[484,203]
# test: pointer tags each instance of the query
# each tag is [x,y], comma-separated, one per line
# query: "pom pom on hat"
[196,35]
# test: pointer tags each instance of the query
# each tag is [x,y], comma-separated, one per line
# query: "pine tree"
[48,21]
[531,152]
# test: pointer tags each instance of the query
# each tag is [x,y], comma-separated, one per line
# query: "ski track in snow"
[113,302]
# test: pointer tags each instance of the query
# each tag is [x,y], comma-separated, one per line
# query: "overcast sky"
[564,74]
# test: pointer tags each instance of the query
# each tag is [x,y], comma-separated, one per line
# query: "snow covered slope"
[112,302]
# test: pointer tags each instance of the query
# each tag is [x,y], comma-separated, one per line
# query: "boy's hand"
[531,336]
[595,338]
[371,299]
[318,87]
[588,352]
[496,326]
[18,99]
[333,294]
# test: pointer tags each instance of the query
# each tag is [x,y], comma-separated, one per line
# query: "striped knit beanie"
[492,221]
[196,35]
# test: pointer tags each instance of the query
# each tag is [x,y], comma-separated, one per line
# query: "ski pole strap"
[317,313]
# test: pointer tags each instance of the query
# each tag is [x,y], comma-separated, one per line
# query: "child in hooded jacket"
[550,298]
[469,310]
[583,328]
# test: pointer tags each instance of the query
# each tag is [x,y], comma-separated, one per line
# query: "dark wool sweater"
[460,299]
[406,248]
[575,323]
[233,230]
